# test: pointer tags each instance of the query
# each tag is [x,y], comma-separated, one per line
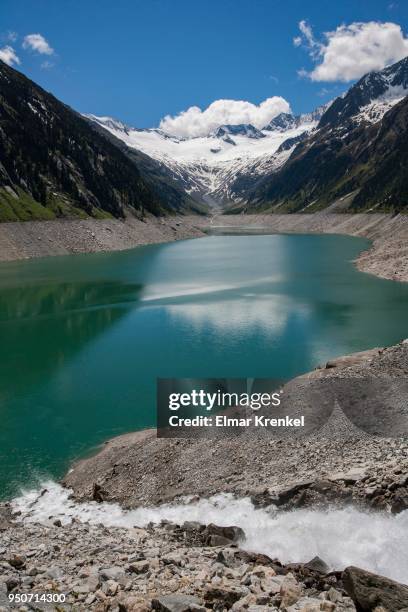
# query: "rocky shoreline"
[30,239]
[172,567]
[186,567]
[387,257]
[139,469]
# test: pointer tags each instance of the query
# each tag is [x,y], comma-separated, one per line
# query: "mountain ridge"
[354,158]
[349,153]
[54,164]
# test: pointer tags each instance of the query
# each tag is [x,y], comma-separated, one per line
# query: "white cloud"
[9,56]
[37,42]
[351,51]
[307,33]
[196,122]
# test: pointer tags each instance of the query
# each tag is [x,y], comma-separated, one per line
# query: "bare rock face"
[371,592]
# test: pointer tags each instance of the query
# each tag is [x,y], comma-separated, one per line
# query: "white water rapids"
[342,537]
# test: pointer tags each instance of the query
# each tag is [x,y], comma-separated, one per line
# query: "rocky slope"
[387,258]
[189,566]
[138,468]
[65,236]
[54,164]
[173,568]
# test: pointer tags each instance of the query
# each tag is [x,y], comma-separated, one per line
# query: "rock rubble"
[173,568]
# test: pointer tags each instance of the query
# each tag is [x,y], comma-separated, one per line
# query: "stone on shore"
[370,591]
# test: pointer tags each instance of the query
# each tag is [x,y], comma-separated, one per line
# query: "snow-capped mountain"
[211,167]
[287,121]
[355,159]
[223,167]
[370,98]
[241,129]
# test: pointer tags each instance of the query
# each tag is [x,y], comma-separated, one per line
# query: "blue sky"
[139,60]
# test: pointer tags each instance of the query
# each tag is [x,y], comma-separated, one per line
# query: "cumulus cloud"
[196,122]
[9,56]
[351,51]
[37,42]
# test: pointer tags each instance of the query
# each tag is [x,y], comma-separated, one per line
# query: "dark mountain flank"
[158,176]
[356,159]
[54,164]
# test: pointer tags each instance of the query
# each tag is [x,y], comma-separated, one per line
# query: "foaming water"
[342,537]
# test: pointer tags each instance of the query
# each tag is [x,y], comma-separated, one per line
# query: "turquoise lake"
[84,337]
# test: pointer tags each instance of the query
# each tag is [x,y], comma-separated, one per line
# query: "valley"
[299,271]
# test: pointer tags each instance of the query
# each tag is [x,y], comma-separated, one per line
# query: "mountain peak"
[240,129]
[282,122]
[371,97]
[109,122]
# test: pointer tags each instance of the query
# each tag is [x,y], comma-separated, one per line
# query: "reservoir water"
[84,337]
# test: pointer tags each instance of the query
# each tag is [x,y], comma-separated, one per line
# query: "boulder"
[139,567]
[223,595]
[17,561]
[290,591]
[317,565]
[400,501]
[191,526]
[370,591]
[112,573]
[177,603]
[214,535]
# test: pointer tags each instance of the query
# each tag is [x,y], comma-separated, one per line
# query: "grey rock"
[55,572]
[317,565]
[229,534]
[192,526]
[112,573]
[139,567]
[177,603]
[369,591]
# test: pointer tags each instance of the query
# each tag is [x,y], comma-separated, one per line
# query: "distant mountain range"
[349,154]
[219,168]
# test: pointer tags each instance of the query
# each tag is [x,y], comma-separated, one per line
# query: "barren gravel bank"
[139,469]
[45,238]
[387,258]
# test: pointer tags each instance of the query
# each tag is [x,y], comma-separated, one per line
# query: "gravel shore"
[139,469]
[387,258]
[46,238]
